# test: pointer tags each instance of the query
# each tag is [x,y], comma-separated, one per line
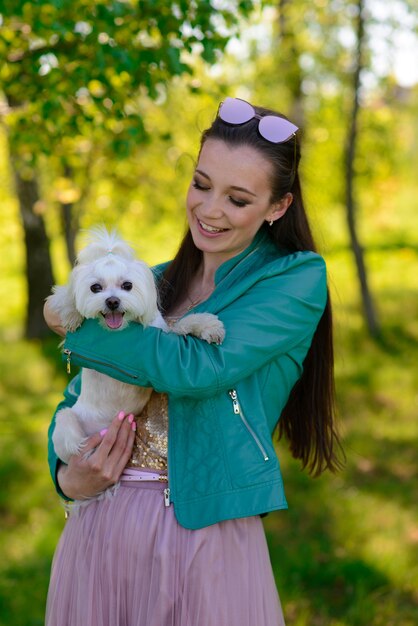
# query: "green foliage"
[30,519]
[75,69]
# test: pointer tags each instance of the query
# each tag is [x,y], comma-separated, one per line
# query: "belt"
[138,475]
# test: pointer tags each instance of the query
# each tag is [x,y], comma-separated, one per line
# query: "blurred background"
[101,107]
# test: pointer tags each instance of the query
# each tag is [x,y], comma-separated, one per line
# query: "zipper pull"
[68,353]
[234,397]
[167,496]
[67,509]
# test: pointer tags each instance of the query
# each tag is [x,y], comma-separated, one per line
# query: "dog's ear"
[62,301]
[149,316]
[147,292]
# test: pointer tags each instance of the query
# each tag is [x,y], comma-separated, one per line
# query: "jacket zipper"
[118,369]
[238,411]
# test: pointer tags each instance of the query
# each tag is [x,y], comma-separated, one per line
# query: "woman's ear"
[280,208]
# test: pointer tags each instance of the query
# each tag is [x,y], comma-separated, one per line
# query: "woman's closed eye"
[235,201]
[200,186]
[238,203]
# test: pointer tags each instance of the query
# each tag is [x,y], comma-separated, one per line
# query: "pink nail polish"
[103,432]
[121,415]
[133,426]
[130,418]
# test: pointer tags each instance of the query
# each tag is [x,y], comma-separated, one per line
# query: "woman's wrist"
[71,484]
[60,475]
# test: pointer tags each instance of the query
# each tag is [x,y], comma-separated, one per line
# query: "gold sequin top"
[151,439]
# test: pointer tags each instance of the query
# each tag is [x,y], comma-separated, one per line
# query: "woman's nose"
[212,208]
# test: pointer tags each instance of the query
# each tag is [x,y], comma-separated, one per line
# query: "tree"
[350,154]
[75,75]
[290,52]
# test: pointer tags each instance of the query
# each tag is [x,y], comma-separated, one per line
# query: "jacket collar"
[261,239]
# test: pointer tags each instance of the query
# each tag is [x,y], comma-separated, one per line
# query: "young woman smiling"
[181,542]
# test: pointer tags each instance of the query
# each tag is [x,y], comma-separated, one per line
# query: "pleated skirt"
[125,561]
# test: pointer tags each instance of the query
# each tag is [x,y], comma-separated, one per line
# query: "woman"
[187,548]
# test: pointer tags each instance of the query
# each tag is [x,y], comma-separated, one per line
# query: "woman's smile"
[206,229]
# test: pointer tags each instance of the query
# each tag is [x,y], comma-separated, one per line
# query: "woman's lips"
[210,231]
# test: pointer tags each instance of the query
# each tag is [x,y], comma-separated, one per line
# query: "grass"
[346,552]
[30,516]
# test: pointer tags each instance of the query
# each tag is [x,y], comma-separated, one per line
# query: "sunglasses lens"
[273,128]
[235,111]
[276,129]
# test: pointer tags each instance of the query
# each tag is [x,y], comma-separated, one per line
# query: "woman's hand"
[53,320]
[89,473]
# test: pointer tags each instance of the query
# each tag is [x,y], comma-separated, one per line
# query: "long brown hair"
[308,419]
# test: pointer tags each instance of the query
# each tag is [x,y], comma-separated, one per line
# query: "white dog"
[110,284]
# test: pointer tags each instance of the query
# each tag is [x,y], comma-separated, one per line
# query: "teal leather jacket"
[224,401]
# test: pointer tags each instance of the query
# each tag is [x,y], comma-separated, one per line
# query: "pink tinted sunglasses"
[272,127]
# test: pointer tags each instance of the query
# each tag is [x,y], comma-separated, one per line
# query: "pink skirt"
[125,561]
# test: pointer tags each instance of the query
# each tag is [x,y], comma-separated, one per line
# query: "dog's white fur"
[110,262]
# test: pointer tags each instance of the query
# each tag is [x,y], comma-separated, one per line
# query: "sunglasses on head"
[272,127]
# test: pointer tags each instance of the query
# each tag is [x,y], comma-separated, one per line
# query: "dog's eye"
[96,288]
[127,286]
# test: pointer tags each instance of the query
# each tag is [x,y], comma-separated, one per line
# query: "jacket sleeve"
[276,314]
[70,397]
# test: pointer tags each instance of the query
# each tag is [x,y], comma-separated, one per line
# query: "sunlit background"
[118,148]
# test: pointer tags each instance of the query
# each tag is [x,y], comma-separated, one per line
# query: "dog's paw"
[206,326]
[66,449]
[68,437]
[213,333]
[77,447]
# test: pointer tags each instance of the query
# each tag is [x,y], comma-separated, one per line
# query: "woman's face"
[229,199]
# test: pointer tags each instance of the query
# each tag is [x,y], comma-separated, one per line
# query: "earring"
[271,222]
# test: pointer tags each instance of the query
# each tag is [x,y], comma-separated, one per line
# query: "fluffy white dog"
[110,284]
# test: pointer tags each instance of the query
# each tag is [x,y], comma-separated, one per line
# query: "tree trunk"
[38,261]
[69,223]
[351,146]
[289,61]
[69,232]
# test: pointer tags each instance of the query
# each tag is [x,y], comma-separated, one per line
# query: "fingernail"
[121,416]
[103,432]
[130,418]
[133,425]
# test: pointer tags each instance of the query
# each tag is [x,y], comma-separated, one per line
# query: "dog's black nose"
[112,303]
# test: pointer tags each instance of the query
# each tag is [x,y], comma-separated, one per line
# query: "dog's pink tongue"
[114,319]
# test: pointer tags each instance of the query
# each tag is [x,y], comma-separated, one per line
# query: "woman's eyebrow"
[202,174]
[244,189]
[233,187]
